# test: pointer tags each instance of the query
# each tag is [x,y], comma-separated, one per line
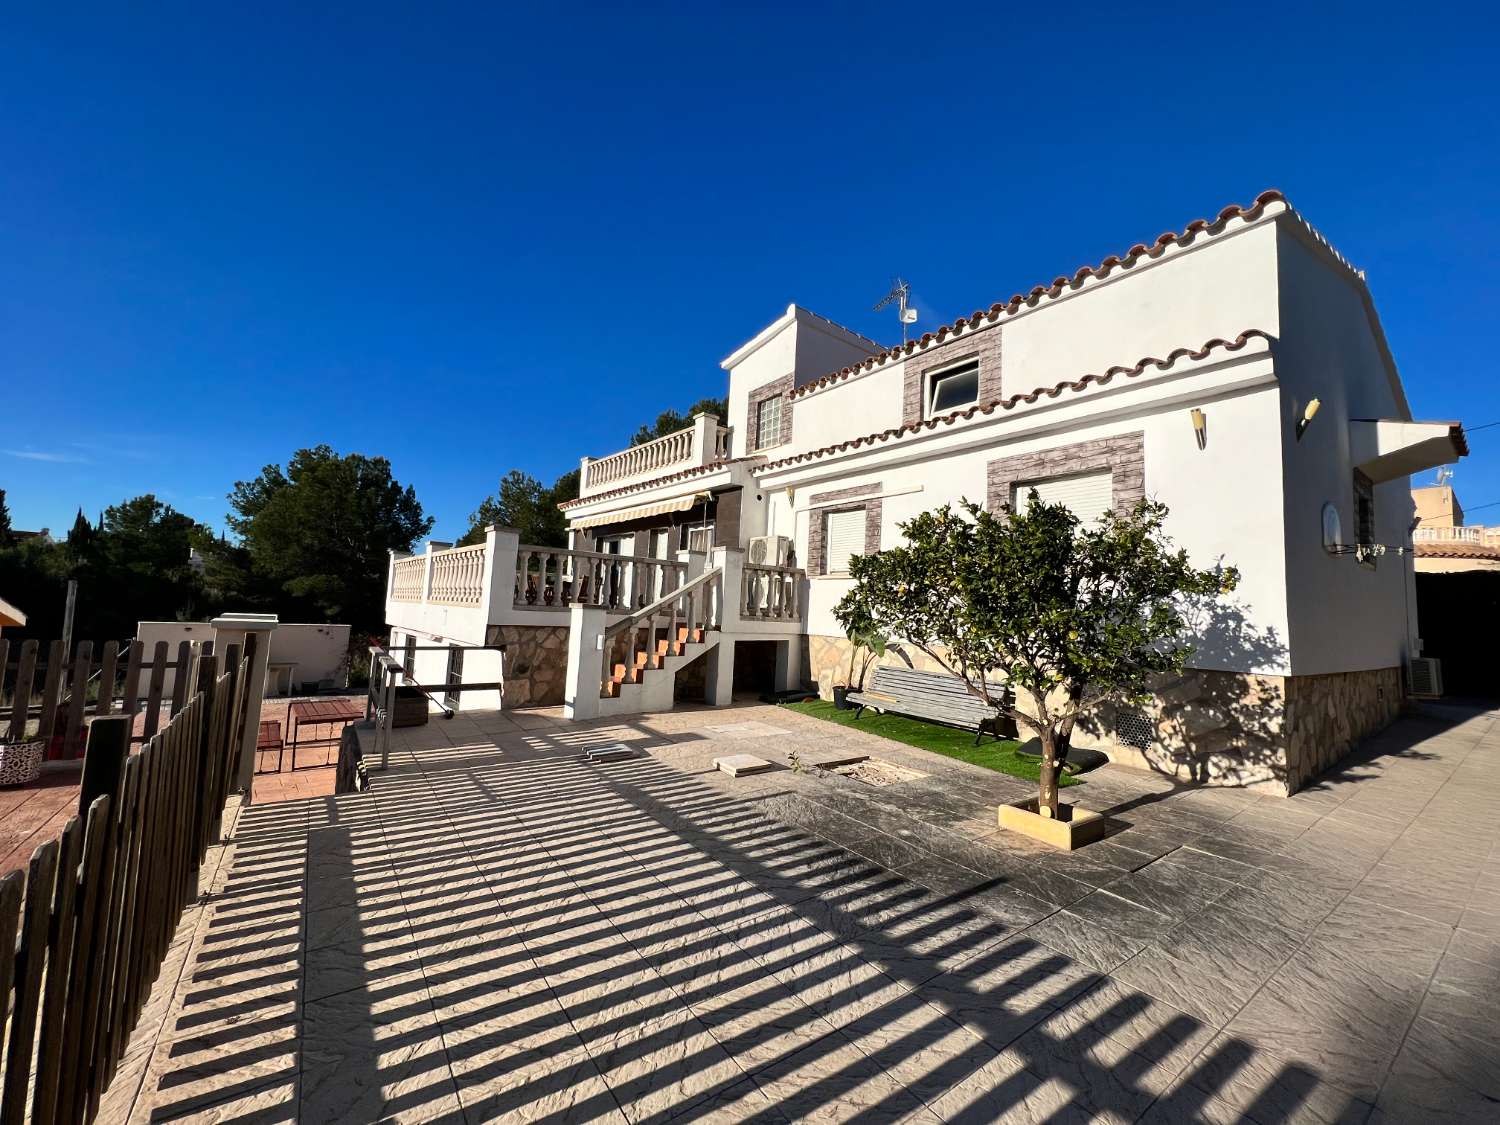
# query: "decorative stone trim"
[983,346]
[777,388]
[1124,456]
[841,501]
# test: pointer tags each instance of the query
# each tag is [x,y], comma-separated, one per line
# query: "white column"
[232,629]
[719,689]
[501,547]
[789,664]
[731,561]
[585,661]
[705,428]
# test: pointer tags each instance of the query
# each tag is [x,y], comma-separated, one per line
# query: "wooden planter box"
[1073,828]
[409,708]
[21,762]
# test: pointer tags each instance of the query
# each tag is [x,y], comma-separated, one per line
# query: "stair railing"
[695,605]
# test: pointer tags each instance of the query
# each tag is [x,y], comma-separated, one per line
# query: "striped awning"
[665,507]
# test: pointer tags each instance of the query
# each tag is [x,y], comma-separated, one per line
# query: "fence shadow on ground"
[516,934]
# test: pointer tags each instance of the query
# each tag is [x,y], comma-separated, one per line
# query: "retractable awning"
[665,507]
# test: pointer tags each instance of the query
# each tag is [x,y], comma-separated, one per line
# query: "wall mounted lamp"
[1307,416]
[1200,427]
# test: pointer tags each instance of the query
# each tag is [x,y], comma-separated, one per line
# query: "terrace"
[500,929]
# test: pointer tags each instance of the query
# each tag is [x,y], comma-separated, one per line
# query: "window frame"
[862,514]
[937,375]
[762,440]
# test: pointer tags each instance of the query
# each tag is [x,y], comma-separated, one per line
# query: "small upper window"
[953,388]
[768,422]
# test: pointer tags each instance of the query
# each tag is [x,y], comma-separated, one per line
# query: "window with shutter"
[845,536]
[1088,496]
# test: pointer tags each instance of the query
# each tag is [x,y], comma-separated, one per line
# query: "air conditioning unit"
[1426,676]
[701,539]
[770,550]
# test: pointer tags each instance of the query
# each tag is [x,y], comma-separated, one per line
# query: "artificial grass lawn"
[950,742]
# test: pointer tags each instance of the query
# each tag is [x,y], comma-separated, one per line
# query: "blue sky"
[472,238]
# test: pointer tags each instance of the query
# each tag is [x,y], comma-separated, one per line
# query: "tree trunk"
[1047,801]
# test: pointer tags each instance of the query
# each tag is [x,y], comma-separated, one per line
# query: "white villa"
[1236,371]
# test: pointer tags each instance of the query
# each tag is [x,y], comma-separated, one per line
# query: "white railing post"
[433,546]
[585,644]
[731,564]
[390,576]
[705,433]
[500,549]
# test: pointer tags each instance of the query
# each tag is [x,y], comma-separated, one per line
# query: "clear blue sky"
[472,238]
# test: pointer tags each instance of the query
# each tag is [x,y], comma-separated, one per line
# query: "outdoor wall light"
[1200,427]
[1307,417]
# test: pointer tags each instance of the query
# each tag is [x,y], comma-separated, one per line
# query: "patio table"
[318,712]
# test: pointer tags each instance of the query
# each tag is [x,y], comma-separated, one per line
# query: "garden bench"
[935,697]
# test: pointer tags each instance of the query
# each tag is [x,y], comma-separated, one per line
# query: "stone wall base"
[1208,727]
[536,663]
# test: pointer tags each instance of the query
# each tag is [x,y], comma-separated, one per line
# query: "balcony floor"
[500,931]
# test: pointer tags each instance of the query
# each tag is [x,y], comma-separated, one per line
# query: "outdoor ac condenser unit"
[1426,676]
[769,550]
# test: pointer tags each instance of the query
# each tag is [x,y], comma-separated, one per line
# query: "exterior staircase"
[642,654]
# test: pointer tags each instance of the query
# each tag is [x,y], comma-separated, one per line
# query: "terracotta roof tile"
[1454,550]
[985,317]
[1010,402]
[697,471]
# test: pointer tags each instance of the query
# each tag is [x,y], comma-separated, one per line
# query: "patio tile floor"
[499,930]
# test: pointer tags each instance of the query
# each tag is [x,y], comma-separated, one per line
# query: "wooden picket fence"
[78,686]
[84,931]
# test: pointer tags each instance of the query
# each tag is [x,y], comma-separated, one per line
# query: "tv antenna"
[1444,475]
[900,293]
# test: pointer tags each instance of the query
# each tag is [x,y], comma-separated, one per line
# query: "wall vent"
[1134,729]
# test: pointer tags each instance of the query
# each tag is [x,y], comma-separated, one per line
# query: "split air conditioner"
[770,550]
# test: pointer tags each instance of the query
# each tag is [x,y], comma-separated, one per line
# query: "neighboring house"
[1443,543]
[10,618]
[1236,371]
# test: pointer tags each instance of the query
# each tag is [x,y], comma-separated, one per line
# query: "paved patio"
[500,931]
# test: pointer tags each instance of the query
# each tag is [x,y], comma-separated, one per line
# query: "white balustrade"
[722,438]
[408,576]
[553,577]
[663,628]
[458,576]
[771,592]
[1473,535]
[665,452]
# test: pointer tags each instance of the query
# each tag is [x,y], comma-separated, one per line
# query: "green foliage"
[320,531]
[7,533]
[133,567]
[864,638]
[1070,615]
[950,742]
[527,505]
[669,421]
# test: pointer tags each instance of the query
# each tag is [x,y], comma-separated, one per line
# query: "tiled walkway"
[499,931]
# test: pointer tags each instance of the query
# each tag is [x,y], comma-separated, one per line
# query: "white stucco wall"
[1343,616]
[1218,287]
[317,649]
[1225,500]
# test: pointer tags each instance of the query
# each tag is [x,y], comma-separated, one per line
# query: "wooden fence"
[79,686]
[84,931]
